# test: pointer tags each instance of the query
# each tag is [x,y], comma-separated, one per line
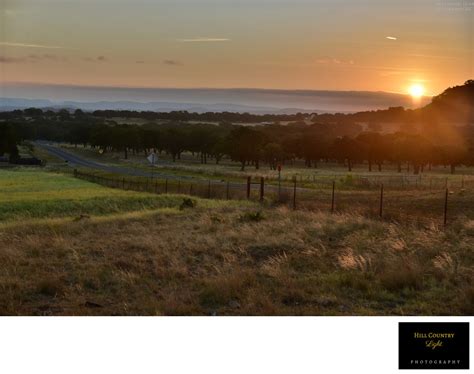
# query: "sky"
[370,45]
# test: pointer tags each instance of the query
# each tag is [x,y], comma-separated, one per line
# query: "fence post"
[262,188]
[123,183]
[446,207]
[179,186]
[227,191]
[381,201]
[166,186]
[248,187]
[75,173]
[209,189]
[332,199]
[279,183]
[191,189]
[156,186]
[294,193]
[462,181]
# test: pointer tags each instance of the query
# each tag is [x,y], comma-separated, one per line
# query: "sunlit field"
[33,194]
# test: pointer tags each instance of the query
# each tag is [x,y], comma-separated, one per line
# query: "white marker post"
[152,159]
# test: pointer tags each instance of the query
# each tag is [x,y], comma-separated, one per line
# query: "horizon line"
[205,88]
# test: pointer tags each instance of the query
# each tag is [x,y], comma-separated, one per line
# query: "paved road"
[80,161]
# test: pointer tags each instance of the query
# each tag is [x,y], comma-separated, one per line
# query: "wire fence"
[402,182]
[439,204]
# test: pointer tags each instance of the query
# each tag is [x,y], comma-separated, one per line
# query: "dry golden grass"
[229,260]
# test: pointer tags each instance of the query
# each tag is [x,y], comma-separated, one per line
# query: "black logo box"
[449,339]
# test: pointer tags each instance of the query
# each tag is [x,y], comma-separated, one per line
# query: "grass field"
[399,205]
[69,247]
[35,194]
[406,197]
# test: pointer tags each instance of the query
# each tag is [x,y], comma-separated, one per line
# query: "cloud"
[47,56]
[140,62]
[334,61]
[32,58]
[391,38]
[26,45]
[203,40]
[50,57]
[172,62]
[12,60]
[96,59]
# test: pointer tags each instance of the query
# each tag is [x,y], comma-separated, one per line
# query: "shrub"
[188,203]
[252,217]
[50,287]
[348,180]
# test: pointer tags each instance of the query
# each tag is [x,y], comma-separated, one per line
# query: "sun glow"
[416,91]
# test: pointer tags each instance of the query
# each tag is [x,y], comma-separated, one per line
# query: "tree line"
[255,145]
[416,145]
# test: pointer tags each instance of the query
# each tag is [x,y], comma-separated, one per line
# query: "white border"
[204,344]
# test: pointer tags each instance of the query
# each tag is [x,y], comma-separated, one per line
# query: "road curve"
[79,161]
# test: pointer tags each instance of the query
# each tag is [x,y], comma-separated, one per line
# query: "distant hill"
[255,101]
[7,104]
[455,104]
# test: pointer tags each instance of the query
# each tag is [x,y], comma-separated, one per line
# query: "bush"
[50,287]
[252,217]
[188,203]
[348,180]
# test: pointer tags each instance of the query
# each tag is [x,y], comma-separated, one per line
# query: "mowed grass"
[142,254]
[35,194]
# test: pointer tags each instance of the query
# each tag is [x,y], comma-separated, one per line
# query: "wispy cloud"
[172,62]
[48,57]
[27,45]
[32,58]
[391,38]
[140,62]
[202,40]
[334,61]
[96,59]
[12,60]
[433,56]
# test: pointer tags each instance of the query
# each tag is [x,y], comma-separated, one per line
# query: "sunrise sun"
[416,91]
